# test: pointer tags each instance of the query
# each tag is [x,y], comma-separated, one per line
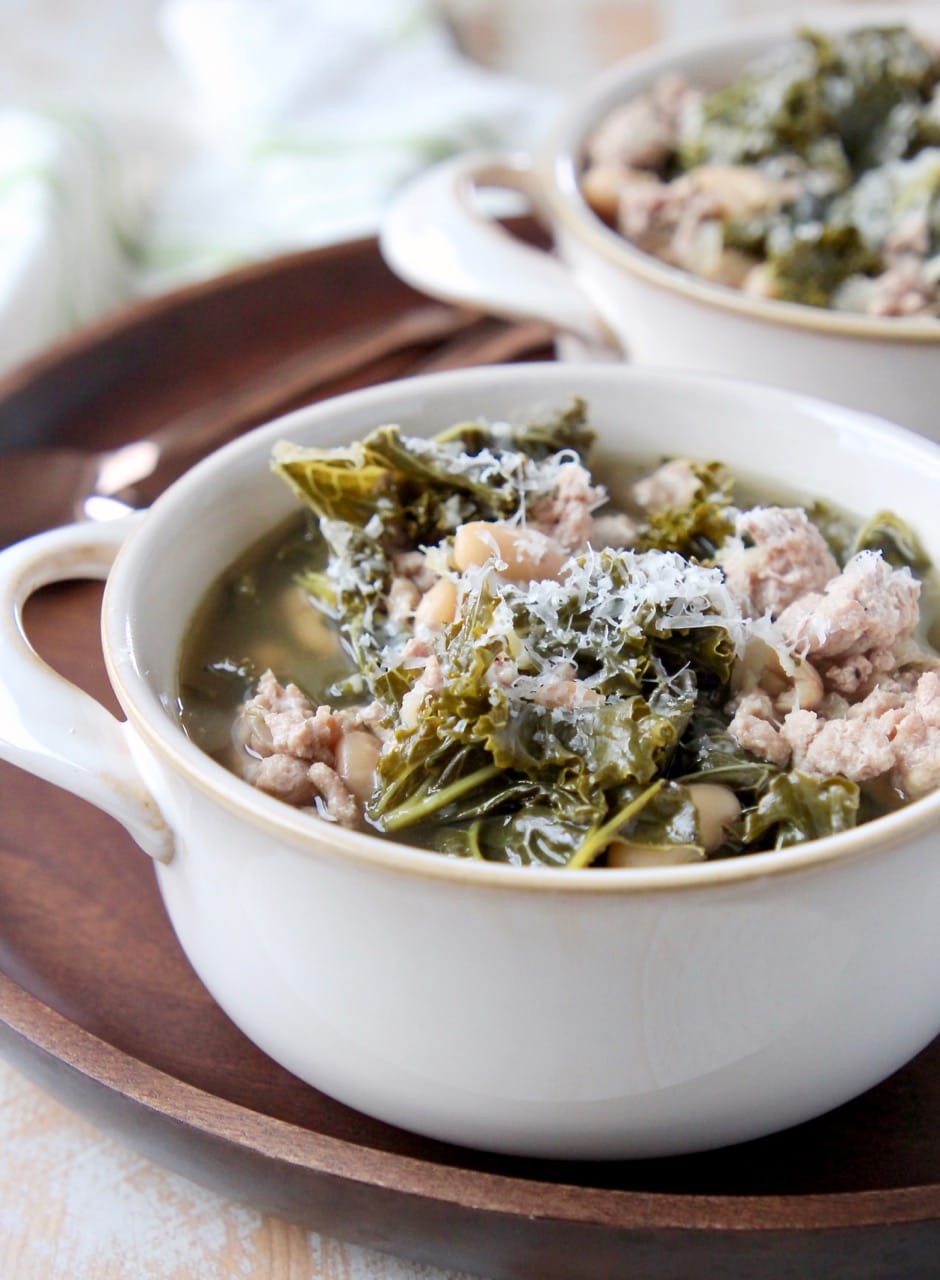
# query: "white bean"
[601,185]
[620,853]
[807,689]
[438,605]
[356,757]
[306,624]
[526,553]
[761,668]
[717,808]
[411,706]
[402,599]
[741,190]
[273,654]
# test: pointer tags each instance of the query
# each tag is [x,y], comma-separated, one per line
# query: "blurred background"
[560,44]
[147,143]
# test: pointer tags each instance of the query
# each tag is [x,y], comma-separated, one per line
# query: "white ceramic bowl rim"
[147,711]
[559,167]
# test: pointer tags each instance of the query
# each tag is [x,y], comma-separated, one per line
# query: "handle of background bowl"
[434,237]
[50,727]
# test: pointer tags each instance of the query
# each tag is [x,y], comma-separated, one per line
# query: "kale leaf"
[489,734]
[798,806]
[821,99]
[896,540]
[698,528]
[812,265]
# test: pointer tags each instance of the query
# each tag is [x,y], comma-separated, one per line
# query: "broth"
[256,616]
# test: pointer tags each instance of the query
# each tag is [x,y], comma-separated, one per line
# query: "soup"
[812,178]
[465,644]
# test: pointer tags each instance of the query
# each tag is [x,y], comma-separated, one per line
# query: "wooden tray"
[98,1004]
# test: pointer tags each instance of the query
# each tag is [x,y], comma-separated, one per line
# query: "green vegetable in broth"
[895,540]
[796,807]
[699,525]
[523,672]
[810,266]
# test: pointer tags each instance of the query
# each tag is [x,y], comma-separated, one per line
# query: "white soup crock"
[624,303]
[595,1013]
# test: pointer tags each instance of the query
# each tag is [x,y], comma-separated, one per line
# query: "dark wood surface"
[98,1003]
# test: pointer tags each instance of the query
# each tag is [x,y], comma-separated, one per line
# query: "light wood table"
[76,1205]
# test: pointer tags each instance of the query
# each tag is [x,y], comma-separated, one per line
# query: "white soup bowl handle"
[436,238]
[48,726]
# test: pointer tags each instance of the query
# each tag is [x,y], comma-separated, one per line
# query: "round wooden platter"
[98,1004]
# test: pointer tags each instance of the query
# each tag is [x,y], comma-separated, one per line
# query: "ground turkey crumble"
[294,750]
[789,557]
[873,709]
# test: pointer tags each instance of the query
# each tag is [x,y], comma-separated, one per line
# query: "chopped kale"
[798,806]
[700,527]
[895,539]
[817,89]
[817,261]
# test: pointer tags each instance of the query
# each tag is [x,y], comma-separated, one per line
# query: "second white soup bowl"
[624,303]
